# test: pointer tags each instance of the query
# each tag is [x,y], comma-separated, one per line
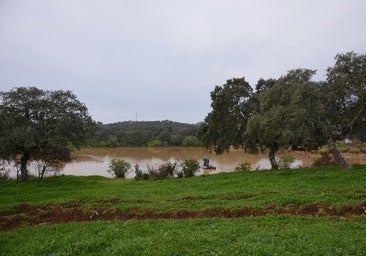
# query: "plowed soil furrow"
[27,214]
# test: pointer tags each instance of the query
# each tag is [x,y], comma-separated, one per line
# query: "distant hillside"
[145,133]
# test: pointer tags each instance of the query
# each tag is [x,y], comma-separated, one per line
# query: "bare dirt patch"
[28,214]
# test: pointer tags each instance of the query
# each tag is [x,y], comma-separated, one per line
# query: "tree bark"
[23,166]
[272,157]
[337,155]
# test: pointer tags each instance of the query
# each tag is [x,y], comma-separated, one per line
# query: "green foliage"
[290,112]
[346,95]
[144,133]
[38,124]
[191,141]
[285,162]
[101,144]
[190,167]
[284,112]
[154,143]
[119,168]
[164,171]
[232,105]
[139,174]
[290,115]
[243,166]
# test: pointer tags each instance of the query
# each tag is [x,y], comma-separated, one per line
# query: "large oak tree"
[290,112]
[289,116]
[345,100]
[232,105]
[41,125]
[283,113]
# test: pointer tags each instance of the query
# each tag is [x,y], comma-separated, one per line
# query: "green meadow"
[316,233]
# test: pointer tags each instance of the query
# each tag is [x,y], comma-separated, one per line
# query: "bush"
[139,175]
[243,166]
[119,168]
[285,162]
[167,170]
[190,167]
[4,172]
[325,159]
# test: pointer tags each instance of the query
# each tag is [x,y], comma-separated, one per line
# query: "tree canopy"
[346,93]
[290,112]
[232,105]
[289,116]
[145,133]
[41,125]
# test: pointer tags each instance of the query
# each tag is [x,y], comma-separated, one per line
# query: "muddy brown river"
[95,161]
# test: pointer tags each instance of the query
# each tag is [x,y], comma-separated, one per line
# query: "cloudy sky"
[160,59]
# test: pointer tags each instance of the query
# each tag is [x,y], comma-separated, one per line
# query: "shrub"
[190,167]
[139,175]
[243,166]
[4,172]
[179,174]
[167,170]
[48,166]
[285,162]
[325,159]
[119,168]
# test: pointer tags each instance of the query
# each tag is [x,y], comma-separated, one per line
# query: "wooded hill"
[145,133]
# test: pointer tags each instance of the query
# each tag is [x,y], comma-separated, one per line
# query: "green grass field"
[271,234]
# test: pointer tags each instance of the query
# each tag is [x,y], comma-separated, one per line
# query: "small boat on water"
[206,164]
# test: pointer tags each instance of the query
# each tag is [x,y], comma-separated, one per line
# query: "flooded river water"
[95,161]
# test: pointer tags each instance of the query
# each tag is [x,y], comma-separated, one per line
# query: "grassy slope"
[285,235]
[329,185]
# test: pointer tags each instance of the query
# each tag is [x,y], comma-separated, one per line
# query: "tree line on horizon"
[144,134]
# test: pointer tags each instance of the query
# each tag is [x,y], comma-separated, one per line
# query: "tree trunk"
[43,171]
[337,155]
[272,157]
[23,166]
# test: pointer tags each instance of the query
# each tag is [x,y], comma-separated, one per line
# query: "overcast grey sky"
[162,58]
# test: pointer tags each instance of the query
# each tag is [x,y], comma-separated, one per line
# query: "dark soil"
[28,214]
